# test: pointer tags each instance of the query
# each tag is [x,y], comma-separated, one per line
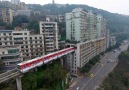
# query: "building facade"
[112,41]
[92,25]
[85,52]
[23,12]
[77,25]
[101,26]
[10,55]
[6,15]
[49,30]
[31,45]
[16,2]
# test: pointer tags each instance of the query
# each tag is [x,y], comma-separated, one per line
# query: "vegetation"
[115,22]
[48,77]
[118,79]
[90,64]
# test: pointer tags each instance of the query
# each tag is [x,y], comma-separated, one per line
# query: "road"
[99,71]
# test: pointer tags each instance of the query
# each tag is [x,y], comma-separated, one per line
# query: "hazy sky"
[115,6]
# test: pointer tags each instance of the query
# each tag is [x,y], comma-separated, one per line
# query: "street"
[99,71]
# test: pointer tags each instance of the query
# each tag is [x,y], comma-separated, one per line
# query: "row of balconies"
[11,54]
[12,60]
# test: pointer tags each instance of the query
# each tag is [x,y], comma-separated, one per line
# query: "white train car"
[27,65]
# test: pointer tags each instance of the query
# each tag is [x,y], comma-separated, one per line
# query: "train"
[37,62]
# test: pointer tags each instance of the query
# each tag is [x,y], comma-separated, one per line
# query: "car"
[91,75]
[77,88]
[107,61]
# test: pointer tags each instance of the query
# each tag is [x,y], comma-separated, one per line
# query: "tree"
[18,20]
[34,25]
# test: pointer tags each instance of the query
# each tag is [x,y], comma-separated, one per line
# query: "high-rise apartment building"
[6,15]
[77,25]
[49,30]
[90,30]
[31,45]
[92,25]
[101,26]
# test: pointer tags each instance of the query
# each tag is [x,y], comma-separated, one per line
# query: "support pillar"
[19,85]
[61,61]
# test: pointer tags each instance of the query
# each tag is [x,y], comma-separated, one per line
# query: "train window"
[18,67]
[24,66]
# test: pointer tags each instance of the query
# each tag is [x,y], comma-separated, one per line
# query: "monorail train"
[36,62]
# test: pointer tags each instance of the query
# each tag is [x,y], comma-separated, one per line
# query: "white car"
[77,88]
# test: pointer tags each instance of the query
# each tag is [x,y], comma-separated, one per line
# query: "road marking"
[93,77]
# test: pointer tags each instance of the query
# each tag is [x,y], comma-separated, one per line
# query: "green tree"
[34,25]
[18,20]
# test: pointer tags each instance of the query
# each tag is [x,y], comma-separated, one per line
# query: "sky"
[115,6]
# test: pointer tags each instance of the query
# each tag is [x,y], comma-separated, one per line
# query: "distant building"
[16,2]
[22,6]
[107,38]
[50,32]
[6,15]
[61,18]
[101,26]
[6,4]
[53,2]
[23,12]
[112,41]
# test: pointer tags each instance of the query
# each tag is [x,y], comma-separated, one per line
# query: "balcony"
[12,60]
[11,54]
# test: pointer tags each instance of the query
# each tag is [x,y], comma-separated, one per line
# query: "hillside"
[119,78]
[115,22]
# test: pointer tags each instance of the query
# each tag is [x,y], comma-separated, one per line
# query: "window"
[25,38]
[25,33]
[3,53]
[9,33]
[5,38]
[40,37]
[13,51]
[11,43]
[5,43]
[35,37]
[30,37]
[17,33]
[4,33]
[18,38]
[18,42]
[10,38]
